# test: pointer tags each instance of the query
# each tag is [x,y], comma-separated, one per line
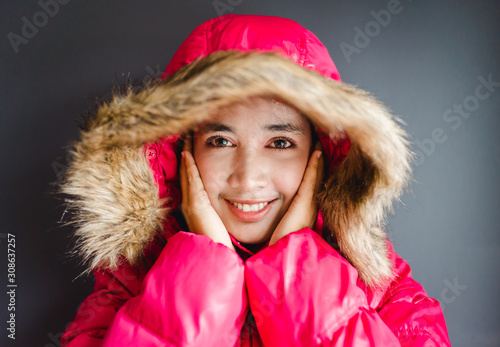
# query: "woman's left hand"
[303,210]
[199,213]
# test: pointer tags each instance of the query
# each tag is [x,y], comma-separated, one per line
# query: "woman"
[285,177]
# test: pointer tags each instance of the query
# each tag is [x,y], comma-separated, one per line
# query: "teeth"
[250,208]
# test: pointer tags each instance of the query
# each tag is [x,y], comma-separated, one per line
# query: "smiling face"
[251,158]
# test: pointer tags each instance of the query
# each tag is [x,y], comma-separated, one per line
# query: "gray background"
[427,59]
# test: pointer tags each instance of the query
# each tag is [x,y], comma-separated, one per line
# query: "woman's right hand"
[200,216]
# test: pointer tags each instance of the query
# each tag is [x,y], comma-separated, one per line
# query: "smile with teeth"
[250,208]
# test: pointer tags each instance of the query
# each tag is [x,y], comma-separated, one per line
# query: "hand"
[303,210]
[200,216]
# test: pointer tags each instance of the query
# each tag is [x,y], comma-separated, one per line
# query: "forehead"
[257,114]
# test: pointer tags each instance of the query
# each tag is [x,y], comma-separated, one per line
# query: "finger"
[183,180]
[182,170]
[188,144]
[318,147]
[302,211]
[187,148]
[321,167]
[192,178]
[306,189]
[320,173]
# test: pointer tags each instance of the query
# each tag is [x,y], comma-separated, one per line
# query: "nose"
[250,171]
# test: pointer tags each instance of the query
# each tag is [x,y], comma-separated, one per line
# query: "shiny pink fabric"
[300,291]
[303,293]
[255,33]
[193,295]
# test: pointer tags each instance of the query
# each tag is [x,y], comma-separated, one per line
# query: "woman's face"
[251,159]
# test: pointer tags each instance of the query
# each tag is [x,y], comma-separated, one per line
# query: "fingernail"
[183,155]
[319,154]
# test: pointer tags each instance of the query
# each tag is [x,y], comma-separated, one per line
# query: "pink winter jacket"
[340,284]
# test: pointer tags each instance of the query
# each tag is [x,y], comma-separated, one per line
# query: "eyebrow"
[215,127]
[281,127]
[285,127]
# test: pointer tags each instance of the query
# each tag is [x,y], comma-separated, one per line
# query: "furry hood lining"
[113,192]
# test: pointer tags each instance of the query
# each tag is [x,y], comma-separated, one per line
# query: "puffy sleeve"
[415,318]
[95,314]
[194,294]
[303,293]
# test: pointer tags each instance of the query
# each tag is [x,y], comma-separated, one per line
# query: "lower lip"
[250,216]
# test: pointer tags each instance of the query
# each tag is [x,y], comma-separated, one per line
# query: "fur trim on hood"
[113,192]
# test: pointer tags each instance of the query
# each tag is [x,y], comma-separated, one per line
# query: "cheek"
[212,173]
[288,178]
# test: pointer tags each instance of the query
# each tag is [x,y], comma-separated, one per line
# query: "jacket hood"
[255,33]
[122,177]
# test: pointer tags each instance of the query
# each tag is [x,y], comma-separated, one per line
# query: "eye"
[282,143]
[219,142]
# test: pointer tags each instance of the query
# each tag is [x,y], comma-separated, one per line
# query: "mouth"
[250,207]
[250,211]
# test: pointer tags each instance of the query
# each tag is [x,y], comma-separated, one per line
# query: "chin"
[251,238]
